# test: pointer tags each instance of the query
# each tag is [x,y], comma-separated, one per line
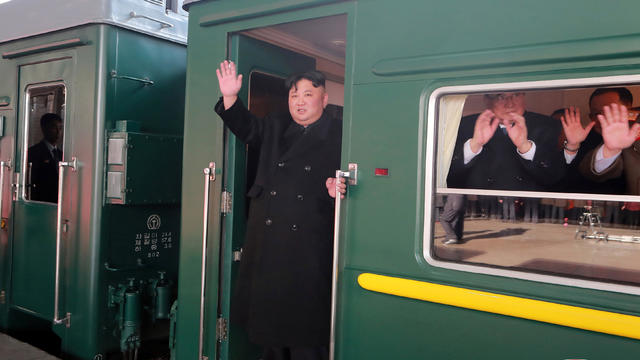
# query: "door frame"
[205,32]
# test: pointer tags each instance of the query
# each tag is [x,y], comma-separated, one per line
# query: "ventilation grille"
[157,2]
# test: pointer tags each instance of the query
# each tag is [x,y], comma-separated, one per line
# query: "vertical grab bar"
[352,175]
[73,164]
[209,176]
[3,165]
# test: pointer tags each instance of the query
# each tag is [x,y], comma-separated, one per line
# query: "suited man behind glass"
[507,148]
[44,157]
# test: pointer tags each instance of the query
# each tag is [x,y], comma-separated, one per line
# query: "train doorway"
[39,227]
[266,56]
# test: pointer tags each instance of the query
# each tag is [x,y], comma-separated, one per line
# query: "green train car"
[403,75]
[90,231]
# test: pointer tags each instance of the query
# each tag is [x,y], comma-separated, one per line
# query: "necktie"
[57,154]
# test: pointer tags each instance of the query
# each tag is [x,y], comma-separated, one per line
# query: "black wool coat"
[500,167]
[44,173]
[283,290]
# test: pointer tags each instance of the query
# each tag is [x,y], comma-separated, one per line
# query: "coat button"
[268,222]
[273,193]
[543,164]
[300,197]
[307,168]
[294,227]
[281,164]
[519,178]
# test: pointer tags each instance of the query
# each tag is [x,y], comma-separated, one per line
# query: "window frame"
[432,100]
[25,134]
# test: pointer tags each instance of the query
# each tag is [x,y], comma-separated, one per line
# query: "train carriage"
[408,72]
[89,270]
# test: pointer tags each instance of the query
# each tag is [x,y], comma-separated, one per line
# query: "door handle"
[73,164]
[209,177]
[3,165]
[352,179]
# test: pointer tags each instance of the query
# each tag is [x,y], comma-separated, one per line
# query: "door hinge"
[221,329]
[3,297]
[226,202]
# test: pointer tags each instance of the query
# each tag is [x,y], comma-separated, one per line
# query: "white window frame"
[432,100]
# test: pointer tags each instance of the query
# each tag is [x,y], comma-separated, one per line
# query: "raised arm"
[230,83]
[573,129]
[616,133]
[483,130]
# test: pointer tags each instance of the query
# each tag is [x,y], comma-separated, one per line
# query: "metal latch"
[221,329]
[225,202]
[237,255]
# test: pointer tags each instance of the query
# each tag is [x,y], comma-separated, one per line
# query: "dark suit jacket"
[284,284]
[44,173]
[500,167]
[624,172]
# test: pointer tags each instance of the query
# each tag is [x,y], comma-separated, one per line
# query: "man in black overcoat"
[507,148]
[283,293]
[44,157]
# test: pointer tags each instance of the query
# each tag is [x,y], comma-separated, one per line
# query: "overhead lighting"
[4,1]
[338,42]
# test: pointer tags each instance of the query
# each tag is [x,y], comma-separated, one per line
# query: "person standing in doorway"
[283,293]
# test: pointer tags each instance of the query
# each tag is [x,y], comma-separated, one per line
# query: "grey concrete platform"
[12,349]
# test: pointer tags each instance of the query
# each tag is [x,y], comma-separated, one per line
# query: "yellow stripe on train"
[565,315]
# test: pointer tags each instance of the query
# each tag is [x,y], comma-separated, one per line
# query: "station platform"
[12,349]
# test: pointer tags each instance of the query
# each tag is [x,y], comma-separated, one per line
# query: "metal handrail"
[73,164]
[352,175]
[3,165]
[209,176]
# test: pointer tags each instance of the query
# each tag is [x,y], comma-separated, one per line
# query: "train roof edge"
[187,3]
[20,19]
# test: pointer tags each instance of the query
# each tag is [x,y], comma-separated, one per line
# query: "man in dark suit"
[283,293]
[507,148]
[44,157]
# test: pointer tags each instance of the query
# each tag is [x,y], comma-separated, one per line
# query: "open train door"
[264,68]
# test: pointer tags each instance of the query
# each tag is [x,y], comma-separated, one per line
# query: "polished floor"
[12,349]
[546,248]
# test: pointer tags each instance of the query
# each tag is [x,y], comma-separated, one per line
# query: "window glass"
[535,181]
[44,130]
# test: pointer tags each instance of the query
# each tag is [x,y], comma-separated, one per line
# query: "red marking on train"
[382,172]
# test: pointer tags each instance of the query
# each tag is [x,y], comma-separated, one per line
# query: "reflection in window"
[44,140]
[527,180]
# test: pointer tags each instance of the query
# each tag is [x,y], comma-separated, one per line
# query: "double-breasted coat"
[283,290]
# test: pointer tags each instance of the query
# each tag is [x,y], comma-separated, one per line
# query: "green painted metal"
[104,244]
[203,127]
[397,55]
[34,253]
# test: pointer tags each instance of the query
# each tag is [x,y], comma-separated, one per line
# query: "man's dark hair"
[316,77]
[559,112]
[49,118]
[623,93]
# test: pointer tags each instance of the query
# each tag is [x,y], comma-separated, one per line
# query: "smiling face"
[307,102]
[505,103]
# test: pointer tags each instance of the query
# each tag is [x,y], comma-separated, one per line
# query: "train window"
[43,139]
[538,180]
